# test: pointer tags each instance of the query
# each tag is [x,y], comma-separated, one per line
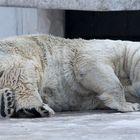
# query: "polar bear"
[43,74]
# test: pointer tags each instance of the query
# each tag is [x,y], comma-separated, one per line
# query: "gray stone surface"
[100,5]
[95,125]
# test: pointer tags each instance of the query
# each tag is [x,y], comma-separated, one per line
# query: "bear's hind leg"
[108,87]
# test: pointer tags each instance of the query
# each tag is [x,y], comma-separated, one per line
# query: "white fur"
[71,74]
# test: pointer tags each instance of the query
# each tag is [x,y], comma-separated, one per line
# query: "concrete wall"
[18,21]
[92,5]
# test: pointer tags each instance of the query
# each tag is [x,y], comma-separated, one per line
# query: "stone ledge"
[94,125]
[91,5]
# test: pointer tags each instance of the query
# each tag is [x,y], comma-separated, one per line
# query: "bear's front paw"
[7,102]
[35,112]
[47,108]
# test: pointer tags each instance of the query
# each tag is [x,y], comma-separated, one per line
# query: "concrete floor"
[95,125]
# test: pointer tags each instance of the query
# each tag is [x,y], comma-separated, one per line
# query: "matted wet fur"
[40,74]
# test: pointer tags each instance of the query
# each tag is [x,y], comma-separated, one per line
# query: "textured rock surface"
[97,125]
[101,5]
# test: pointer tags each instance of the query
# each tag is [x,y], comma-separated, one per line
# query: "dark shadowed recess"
[124,25]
